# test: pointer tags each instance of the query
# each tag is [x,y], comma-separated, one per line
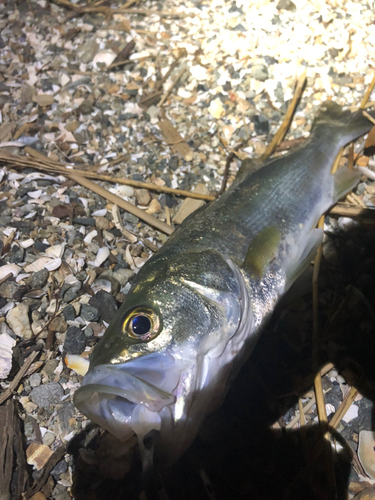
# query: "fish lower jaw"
[119,416]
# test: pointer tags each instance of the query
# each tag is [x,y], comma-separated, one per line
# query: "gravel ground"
[221,75]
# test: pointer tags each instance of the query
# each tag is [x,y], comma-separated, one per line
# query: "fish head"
[163,362]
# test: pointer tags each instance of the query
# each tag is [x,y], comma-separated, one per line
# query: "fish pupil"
[141,325]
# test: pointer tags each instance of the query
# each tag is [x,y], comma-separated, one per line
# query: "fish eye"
[142,323]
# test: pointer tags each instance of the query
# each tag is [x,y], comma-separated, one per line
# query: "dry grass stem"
[48,165]
[344,407]
[108,10]
[141,214]
[369,117]
[305,409]
[367,215]
[149,219]
[368,93]
[280,134]
[17,379]
[168,93]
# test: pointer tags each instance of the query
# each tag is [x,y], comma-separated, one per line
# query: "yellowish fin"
[262,251]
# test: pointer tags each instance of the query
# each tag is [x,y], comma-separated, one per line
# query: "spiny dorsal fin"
[261,251]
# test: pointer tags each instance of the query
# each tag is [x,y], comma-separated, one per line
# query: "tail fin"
[347,126]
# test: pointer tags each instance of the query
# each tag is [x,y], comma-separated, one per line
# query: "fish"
[199,304]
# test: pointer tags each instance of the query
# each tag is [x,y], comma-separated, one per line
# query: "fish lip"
[125,385]
[130,397]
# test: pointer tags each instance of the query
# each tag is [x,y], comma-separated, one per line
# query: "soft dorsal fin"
[262,251]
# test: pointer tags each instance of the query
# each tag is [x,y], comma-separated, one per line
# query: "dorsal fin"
[262,251]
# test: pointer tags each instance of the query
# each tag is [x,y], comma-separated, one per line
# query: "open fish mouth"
[127,398]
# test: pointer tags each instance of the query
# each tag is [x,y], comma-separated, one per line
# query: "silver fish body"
[199,304]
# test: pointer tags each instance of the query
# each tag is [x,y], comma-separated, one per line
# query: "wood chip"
[174,139]
[189,205]
[38,455]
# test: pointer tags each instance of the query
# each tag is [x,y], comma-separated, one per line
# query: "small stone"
[70,294]
[286,5]
[60,468]
[87,51]
[103,223]
[40,247]
[17,255]
[154,207]
[89,313]
[30,407]
[35,379]
[37,326]
[84,221]
[143,197]
[216,108]
[75,340]
[58,324]
[18,320]
[64,415]
[39,279]
[106,305]
[32,304]
[89,332]
[8,289]
[259,72]
[21,291]
[5,220]
[261,124]
[50,367]
[46,395]
[29,427]
[366,452]
[69,313]
[60,492]
[6,346]
[48,438]
[128,217]
[123,275]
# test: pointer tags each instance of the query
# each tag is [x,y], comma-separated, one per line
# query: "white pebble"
[9,268]
[18,320]
[6,346]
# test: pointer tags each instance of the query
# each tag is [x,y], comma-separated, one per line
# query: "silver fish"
[200,303]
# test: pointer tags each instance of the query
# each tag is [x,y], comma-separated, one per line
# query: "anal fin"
[312,242]
[344,180]
[262,250]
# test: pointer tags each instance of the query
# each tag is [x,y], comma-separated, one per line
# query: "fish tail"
[344,125]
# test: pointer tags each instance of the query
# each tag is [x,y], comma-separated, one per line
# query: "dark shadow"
[243,450]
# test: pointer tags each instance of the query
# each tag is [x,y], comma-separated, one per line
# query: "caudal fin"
[346,126]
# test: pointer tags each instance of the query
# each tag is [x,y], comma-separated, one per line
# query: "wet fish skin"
[211,288]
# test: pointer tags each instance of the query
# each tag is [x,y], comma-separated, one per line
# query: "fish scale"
[209,291]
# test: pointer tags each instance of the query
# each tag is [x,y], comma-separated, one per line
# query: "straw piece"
[168,93]
[305,409]
[17,379]
[344,407]
[368,93]
[149,219]
[280,134]
[50,165]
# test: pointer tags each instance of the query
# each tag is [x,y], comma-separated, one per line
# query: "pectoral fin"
[344,180]
[262,251]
